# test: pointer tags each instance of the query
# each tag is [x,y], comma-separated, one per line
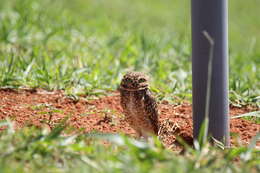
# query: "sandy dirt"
[40,107]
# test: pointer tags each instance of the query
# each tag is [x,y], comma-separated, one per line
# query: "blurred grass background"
[85,46]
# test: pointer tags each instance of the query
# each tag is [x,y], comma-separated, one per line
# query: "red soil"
[39,107]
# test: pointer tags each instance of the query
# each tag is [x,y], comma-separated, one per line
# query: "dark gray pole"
[210,17]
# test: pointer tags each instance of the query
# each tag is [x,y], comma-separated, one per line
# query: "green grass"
[85,46]
[35,150]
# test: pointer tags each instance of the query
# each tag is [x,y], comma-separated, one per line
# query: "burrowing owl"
[139,106]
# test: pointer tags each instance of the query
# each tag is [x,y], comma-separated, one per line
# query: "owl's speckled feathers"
[138,104]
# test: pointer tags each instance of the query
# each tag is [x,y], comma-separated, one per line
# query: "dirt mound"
[39,107]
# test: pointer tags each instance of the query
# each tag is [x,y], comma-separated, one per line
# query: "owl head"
[134,81]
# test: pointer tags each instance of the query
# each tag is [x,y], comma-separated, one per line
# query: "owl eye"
[128,80]
[141,80]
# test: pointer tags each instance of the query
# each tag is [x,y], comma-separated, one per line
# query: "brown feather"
[139,106]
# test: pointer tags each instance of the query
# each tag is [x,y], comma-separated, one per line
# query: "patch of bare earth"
[39,107]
